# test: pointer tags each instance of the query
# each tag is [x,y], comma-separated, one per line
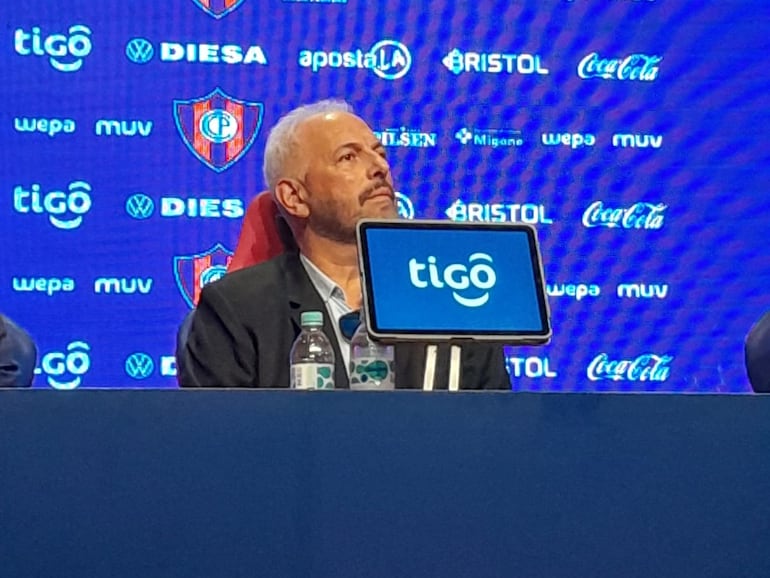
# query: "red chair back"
[264,234]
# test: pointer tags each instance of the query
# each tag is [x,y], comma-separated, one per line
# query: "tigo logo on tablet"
[457,276]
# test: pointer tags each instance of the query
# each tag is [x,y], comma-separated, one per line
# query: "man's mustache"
[369,192]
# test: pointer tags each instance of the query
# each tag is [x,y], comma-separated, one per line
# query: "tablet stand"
[455,367]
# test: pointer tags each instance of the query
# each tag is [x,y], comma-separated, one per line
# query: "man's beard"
[326,222]
[325,219]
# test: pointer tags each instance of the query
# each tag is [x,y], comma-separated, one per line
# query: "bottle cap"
[312,319]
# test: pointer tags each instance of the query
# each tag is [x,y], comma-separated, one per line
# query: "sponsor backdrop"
[632,133]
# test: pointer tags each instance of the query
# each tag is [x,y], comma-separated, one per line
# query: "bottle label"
[312,376]
[372,373]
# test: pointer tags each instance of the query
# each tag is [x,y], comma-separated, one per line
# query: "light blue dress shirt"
[334,298]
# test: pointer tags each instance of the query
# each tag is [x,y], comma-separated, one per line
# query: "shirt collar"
[324,285]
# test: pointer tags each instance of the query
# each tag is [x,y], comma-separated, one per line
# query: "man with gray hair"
[326,170]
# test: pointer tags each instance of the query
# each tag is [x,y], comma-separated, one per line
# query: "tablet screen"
[449,280]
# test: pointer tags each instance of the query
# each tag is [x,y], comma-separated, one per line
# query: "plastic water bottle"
[372,364]
[312,355]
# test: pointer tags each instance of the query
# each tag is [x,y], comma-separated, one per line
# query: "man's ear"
[289,194]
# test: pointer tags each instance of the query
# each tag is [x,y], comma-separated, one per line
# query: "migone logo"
[457,276]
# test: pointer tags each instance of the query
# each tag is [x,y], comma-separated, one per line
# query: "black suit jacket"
[246,323]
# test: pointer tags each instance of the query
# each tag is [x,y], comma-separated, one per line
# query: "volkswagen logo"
[139,50]
[139,365]
[140,206]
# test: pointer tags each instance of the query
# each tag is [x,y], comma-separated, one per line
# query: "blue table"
[307,484]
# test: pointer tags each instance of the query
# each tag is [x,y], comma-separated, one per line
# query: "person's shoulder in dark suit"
[757,354]
[266,280]
[18,355]
[228,337]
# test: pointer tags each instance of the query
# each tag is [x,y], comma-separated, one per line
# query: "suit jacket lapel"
[302,296]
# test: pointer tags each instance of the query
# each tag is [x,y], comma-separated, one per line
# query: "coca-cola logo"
[647,367]
[637,66]
[637,216]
